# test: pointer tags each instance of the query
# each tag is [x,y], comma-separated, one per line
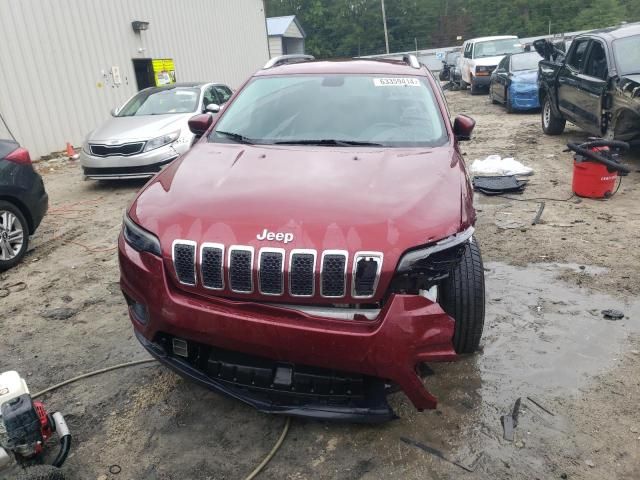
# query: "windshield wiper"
[330,142]
[236,137]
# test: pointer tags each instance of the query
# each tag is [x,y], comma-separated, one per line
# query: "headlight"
[139,238]
[162,141]
[426,257]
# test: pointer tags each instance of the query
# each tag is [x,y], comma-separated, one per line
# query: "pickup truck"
[595,85]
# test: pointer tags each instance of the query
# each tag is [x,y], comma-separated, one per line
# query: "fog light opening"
[139,311]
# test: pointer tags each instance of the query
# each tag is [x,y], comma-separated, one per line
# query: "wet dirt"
[545,338]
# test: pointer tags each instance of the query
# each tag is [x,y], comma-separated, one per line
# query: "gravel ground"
[545,342]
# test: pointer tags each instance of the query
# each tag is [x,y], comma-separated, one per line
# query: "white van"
[480,56]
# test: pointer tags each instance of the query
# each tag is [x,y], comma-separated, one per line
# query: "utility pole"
[384,21]
[549,27]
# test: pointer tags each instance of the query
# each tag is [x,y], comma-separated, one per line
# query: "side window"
[224,93]
[210,96]
[596,65]
[577,57]
[504,64]
[467,50]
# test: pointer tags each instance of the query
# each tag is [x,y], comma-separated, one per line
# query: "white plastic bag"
[496,165]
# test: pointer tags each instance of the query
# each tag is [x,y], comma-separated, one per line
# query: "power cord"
[256,471]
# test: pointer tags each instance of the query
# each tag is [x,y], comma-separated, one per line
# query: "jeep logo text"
[277,236]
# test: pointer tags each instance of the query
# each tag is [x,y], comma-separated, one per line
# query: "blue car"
[514,82]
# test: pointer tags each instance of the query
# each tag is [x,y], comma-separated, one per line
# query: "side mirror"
[115,111]
[199,124]
[212,108]
[463,127]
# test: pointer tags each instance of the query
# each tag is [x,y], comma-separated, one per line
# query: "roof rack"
[282,59]
[411,60]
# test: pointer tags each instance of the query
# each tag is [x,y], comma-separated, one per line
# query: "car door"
[568,79]
[499,79]
[591,87]
[466,58]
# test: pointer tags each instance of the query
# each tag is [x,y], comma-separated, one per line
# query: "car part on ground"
[23,202]
[149,131]
[596,167]
[595,86]
[26,426]
[278,308]
[497,185]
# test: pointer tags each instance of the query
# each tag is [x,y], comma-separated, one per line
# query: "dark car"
[515,82]
[23,202]
[447,64]
[595,86]
[316,245]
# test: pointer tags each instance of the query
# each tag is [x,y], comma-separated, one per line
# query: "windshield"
[162,101]
[342,110]
[627,53]
[525,61]
[493,48]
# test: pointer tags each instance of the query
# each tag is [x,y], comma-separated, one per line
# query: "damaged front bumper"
[299,364]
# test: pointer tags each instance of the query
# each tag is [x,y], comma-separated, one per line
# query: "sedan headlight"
[139,238]
[427,257]
[162,141]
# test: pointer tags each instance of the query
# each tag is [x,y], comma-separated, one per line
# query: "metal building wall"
[56,57]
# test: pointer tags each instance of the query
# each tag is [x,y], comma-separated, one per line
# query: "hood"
[488,61]
[142,127]
[525,76]
[386,200]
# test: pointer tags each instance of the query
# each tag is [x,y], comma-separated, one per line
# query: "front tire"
[462,297]
[551,123]
[475,89]
[14,235]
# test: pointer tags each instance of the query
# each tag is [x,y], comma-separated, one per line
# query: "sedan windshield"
[494,48]
[162,101]
[627,53]
[525,61]
[334,110]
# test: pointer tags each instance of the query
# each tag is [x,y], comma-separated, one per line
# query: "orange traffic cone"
[71,153]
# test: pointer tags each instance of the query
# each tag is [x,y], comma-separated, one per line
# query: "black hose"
[65,446]
[591,155]
[622,146]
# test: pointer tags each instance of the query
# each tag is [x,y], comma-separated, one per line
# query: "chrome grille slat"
[212,266]
[333,273]
[183,253]
[271,271]
[367,267]
[302,273]
[240,264]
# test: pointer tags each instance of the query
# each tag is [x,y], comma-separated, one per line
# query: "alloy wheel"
[11,235]
[546,116]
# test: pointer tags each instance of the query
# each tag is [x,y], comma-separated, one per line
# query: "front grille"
[271,271]
[302,268]
[334,273]
[219,270]
[241,269]
[123,150]
[184,257]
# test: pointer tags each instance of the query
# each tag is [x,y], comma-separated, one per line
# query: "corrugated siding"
[293,31]
[275,46]
[54,55]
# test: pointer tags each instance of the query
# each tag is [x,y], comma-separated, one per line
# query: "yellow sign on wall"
[164,71]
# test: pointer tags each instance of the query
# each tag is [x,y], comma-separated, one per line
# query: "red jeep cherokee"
[315,247]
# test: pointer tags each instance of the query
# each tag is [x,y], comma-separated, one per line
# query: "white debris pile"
[496,165]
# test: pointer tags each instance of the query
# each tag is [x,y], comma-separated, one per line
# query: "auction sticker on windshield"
[396,82]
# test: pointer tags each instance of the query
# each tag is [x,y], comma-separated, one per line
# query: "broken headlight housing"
[424,267]
[139,238]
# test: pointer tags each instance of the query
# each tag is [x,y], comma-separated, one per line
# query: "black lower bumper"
[124,172]
[368,405]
